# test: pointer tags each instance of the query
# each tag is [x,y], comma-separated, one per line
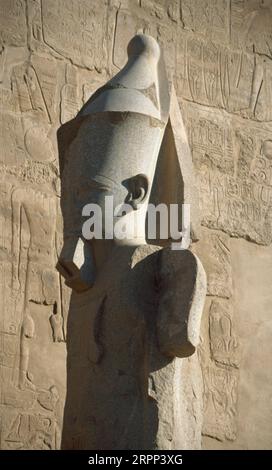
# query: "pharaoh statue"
[134,380]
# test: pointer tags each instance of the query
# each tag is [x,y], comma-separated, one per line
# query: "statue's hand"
[182,291]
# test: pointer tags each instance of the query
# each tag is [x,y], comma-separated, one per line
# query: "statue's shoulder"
[169,260]
[171,266]
[143,252]
[182,290]
[182,266]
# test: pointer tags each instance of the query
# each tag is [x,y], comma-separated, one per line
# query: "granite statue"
[134,380]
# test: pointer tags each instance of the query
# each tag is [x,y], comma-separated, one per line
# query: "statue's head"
[112,159]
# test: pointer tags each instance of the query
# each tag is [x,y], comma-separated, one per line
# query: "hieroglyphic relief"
[220,348]
[220,402]
[207,17]
[236,74]
[29,411]
[35,31]
[161,8]
[224,342]
[128,23]
[174,10]
[46,72]
[13,25]
[233,163]
[212,142]
[240,208]
[215,75]
[31,431]
[39,278]
[28,90]
[13,152]
[69,95]
[20,392]
[223,61]
[33,92]
[168,38]
[220,372]
[215,251]
[8,328]
[70,29]
[261,96]
[251,25]
[2,61]
[35,87]
[261,170]
[126,27]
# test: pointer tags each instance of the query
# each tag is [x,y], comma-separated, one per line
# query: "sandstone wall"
[53,55]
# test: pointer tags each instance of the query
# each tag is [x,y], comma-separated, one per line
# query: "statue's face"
[111,161]
[112,157]
[105,160]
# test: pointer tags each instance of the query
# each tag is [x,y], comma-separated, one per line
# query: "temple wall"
[53,55]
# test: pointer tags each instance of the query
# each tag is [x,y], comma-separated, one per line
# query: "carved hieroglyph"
[54,54]
[31,318]
[233,163]
[214,247]
[220,403]
[224,342]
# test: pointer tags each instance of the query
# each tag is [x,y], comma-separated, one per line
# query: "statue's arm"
[182,291]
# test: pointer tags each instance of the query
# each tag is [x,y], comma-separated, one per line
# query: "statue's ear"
[137,190]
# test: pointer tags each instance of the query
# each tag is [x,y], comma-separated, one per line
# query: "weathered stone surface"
[251,26]
[71,29]
[215,252]
[209,18]
[224,342]
[126,27]
[127,364]
[53,56]
[220,403]
[13,22]
[233,163]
